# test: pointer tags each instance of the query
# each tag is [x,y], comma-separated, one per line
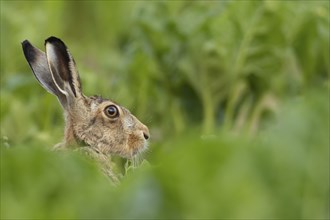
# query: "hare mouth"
[136,144]
[140,149]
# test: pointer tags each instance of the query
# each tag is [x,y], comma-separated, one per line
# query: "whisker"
[135,162]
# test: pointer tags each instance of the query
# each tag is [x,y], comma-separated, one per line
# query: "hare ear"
[38,63]
[63,68]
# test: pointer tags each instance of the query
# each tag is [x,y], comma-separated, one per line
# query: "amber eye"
[111,111]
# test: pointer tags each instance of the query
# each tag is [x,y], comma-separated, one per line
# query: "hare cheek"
[128,123]
[135,143]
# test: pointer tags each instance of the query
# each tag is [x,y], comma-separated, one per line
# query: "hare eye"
[111,111]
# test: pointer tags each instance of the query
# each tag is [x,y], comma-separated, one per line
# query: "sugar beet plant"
[210,65]
[225,64]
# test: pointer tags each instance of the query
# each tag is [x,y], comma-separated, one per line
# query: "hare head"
[102,124]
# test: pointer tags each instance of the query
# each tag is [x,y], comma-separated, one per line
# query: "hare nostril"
[146,136]
[145,132]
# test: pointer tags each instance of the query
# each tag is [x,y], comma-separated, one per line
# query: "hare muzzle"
[137,138]
[145,132]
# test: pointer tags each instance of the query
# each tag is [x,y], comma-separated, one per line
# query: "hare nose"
[145,131]
[146,136]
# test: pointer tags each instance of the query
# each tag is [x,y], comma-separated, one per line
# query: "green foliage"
[235,93]
[220,57]
[208,64]
[190,177]
[39,184]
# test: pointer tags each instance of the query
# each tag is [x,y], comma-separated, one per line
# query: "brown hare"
[104,126]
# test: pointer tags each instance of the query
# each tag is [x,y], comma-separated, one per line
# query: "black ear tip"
[53,39]
[27,48]
[29,51]
[25,44]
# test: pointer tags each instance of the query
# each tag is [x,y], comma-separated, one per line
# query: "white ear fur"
[52,60]
[38,63]
[62,66]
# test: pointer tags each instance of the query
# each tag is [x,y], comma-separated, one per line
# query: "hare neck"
[70,138]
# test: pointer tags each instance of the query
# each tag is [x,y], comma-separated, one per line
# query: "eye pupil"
[111,111]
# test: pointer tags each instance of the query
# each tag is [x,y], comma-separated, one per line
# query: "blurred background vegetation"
[235,93]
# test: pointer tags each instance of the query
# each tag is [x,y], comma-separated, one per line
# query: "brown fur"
[85,119]
[86,122]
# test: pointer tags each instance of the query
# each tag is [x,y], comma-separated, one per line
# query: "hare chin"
[139,150]
[144,148]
